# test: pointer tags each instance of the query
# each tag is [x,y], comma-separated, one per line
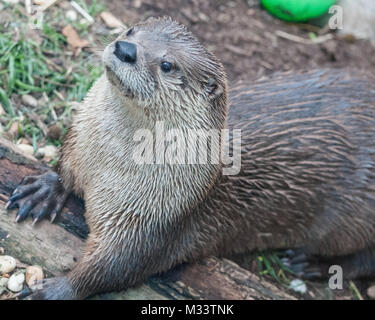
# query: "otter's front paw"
[38,196]
[49,289]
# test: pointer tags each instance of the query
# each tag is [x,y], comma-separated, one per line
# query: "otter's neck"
[110,125]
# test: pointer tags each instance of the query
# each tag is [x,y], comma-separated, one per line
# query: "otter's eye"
[166,66]
[129,32]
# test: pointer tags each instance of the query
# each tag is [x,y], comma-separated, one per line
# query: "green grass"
[24,67]
[269,263]
[94,8]
[30,68]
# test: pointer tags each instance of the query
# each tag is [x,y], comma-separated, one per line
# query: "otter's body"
[308,168]
[307,177]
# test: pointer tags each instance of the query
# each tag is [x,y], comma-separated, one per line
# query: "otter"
[306,181]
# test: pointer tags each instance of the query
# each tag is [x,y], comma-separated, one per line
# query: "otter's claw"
[38,196]
[302,265]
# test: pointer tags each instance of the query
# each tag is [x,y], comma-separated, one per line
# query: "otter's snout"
[125,51]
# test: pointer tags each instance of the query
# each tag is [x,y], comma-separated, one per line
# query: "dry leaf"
[13,130]
[73,38]
[110,20]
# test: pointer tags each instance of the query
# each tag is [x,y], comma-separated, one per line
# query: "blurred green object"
[297,10]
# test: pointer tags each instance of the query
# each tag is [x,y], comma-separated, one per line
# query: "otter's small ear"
[213,89]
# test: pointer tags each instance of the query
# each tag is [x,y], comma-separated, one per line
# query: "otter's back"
[308,141]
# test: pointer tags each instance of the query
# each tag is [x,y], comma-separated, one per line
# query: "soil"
[245,37]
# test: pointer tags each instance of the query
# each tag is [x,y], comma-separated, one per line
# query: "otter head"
[161,66]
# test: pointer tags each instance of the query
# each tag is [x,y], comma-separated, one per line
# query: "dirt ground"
[245,37]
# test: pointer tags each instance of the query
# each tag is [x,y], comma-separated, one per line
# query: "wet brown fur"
[307,177]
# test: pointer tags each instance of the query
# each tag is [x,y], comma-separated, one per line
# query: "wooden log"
[14,165]
[56,247]
[218,279]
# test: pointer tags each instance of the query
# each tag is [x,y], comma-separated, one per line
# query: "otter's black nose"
[126,51]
